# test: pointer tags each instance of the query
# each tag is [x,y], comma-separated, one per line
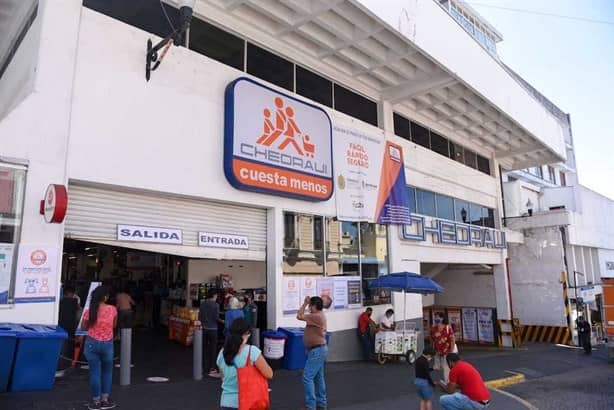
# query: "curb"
[505,381]
[520,400]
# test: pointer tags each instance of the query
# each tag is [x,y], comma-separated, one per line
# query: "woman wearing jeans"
[99,321]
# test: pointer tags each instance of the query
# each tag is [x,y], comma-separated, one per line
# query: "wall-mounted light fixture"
[152,61]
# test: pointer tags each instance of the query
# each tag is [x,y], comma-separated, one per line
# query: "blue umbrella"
[408,282]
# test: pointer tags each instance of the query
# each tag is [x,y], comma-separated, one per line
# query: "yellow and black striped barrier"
[546,334]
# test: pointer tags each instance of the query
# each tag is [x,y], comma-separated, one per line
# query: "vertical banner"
[36,274]
[486,326]
[392,201]
[6,269]
[370,178]
[470,325]
[454,317]
[292,294]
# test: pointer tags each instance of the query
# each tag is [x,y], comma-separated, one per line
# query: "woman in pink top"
[99,321]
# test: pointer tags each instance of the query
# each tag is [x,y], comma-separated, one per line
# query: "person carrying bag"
[244,371]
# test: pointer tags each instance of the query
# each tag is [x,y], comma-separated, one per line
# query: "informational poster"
[308,287]
[370,178]
[454,317]
[325,289]
[340,296]
[470,325]
[6,266]
[486,327]
[292,294]
[354,293]
[36,274]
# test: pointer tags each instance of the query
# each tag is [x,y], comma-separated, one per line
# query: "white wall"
[592,225]
[605,255]
[464,288]
[245,274]
[37,130]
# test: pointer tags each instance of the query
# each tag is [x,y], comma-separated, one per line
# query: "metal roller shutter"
[94,213]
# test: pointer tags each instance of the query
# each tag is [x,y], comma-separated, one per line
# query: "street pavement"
[557,377]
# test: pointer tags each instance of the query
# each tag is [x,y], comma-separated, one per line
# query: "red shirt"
[363,322]
[469,381]
[102,330]
[442,339]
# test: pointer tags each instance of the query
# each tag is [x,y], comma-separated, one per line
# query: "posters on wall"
[470,325]
[6,266]
[36,276]
[370,178]
[486,326]
[337,293]
[454,317]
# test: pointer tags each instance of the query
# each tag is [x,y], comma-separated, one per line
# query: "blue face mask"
[437,321]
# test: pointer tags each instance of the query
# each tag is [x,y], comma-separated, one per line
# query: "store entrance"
[167,291]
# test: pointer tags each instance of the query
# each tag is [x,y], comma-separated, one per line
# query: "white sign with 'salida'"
[222,240]
[135,233]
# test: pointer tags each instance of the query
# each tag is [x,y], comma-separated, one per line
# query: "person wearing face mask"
[235,354]
[442,340]
[314,339]
[387,322]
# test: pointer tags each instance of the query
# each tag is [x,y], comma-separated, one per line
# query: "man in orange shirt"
[473,392]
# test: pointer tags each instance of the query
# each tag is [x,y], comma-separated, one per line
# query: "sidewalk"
[355,385]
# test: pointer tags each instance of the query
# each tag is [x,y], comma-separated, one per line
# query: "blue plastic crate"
[8,341]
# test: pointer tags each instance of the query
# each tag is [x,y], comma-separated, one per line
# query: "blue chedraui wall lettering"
[453,233]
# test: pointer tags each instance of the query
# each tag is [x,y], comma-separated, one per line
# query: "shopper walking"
[235,355]
[99,321]
[314,339]
[442,339]
[209,316]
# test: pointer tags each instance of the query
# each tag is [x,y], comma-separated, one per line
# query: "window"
[551,174]
[439,144]
[456,152]
[303,255]
[145,14]
[311,85]
[270,67]
[411,193]
[349,249]
[488,216]
[318,233]
[217,44]
[356,105]
[483,165]
[12,184]
[290,230]
[420,135]
[401,127]
[563,178]
[426,202]
[537,171]
[373,261]
[461,211]
[475,213]
[445,207]
[471,159]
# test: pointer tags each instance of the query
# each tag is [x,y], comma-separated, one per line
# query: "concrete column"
[502,295]
[125,359]
[385,116]
[274,275]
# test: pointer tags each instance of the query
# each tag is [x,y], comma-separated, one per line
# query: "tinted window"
[318,232]
[483,165]
[475,214]
[461,211]
[420,135]
[471,158]
[489,217]
[439,144]
[357,106]
[411,193]
[270,67]
[216,44]
[144,14]
[401,126]
[456,152]
[313,86]
[426,202]
[445,207]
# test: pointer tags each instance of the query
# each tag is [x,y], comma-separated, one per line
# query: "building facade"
[159,187]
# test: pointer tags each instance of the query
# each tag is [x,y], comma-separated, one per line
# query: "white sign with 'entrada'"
[222,240]
[154,234]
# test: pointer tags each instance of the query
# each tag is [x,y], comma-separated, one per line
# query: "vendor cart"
[401,343]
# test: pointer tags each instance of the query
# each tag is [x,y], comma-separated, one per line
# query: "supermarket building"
[151,174]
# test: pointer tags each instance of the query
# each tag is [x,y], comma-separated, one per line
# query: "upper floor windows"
[217,44]
[427,138]
[313,86]
[551,174]
[356,105]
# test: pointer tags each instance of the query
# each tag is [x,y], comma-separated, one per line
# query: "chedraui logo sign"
[276,144]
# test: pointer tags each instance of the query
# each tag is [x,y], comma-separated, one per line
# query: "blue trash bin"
[8,340]
[295,354]
[273,347]
[36,357]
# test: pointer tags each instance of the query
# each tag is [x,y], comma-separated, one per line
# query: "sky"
[569,61]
